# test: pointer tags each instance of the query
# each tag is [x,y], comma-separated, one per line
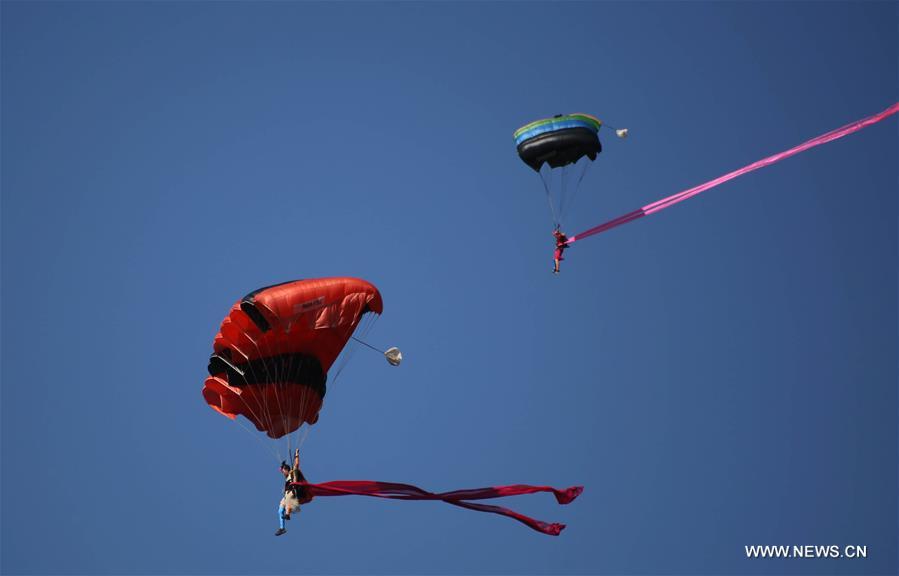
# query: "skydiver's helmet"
[284,466]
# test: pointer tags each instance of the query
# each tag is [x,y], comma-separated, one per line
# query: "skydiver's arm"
[296,459]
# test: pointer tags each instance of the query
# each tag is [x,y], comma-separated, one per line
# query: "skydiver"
[293,495]
[561,246]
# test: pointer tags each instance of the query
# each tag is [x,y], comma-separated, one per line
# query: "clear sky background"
[717,375]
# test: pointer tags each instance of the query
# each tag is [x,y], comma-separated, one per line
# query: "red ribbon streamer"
[396,491]
[690,192]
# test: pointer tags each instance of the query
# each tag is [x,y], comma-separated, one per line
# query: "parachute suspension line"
[580,179]
[246,428]
[253,412]
[577,187]
[549,196]
[365,325]
[271,373]
[276,455]
[273,351]
[294,407]
[363,328]
[303,408]
[262,406]
[301,433]
[286,411]
[290,409]
[566,198]
[563,192]
[247,404]
[272,376]
[298,407]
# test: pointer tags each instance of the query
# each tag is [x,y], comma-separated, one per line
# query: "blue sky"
[718,375]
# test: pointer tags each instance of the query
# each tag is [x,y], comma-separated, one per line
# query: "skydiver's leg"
[281,517]
[289,503]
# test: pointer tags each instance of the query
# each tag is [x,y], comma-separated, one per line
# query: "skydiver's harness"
[291,488]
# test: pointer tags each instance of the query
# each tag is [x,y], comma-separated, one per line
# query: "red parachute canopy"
[274,349]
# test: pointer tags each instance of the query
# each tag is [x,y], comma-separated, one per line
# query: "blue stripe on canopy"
[553,126]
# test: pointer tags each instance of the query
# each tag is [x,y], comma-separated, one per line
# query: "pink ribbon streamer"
[690,192]
[396,491]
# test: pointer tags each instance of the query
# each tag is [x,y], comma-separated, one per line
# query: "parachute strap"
[396,491]
[669,201]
